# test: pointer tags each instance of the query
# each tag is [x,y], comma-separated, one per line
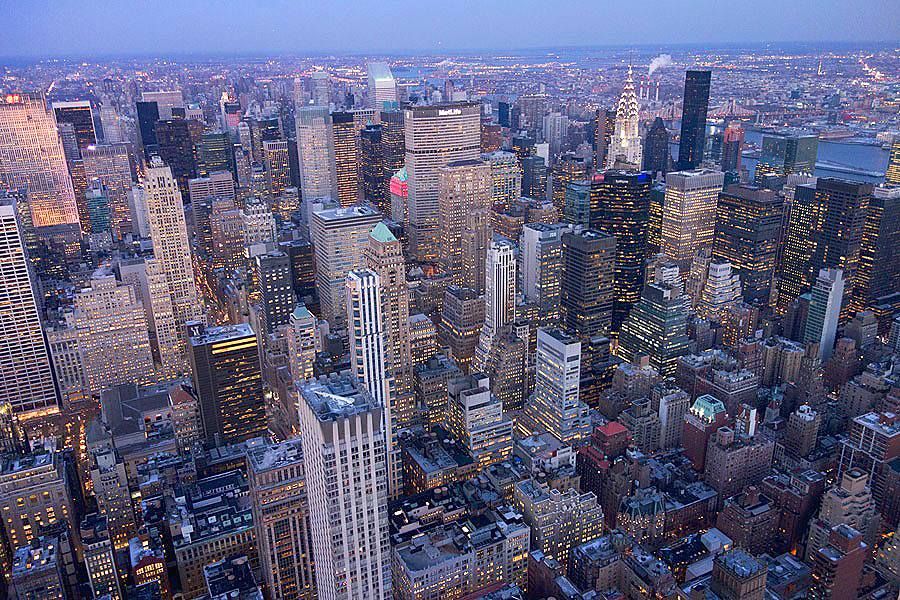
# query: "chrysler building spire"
[625,146]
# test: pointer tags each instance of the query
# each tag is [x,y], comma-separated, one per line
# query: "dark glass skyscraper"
[80,116]
[175,145]
[844,205]
[748,227]
[656,148]
[878,274]
[586,293]
[374,175]
[147,116]
[784,155]
[693,119]
[215,152]
[228,382]
[534,177]
[620,206]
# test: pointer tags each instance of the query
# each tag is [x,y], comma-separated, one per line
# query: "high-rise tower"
[435,136]
[26,379]
[625,148]
[693,119]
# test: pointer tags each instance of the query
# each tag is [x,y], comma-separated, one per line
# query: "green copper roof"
[707,407]
[301,312]
[382,234]
[401,174]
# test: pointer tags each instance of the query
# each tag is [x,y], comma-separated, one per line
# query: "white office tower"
[626,146]
[315,152]
[689,220]
[435,136]
[556,131]
[720,292]
[540,257]
[303,343]
[382,86]
[384,255]
[32,159]
[499,298]
[346,480]
[26,377]
[165,101]
[368,358]
[113,129]
[555,406]
[500,286]
[112,334]
[824,310]
[171,248]
[340,237]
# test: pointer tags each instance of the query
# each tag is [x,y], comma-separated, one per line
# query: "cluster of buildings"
[350,336]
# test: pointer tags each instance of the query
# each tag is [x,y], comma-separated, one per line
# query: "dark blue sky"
[98,27]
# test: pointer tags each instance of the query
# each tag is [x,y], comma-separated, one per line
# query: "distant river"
[858,156]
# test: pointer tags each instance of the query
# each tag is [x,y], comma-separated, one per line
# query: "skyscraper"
[844,205]
[384,256]
[227,378]
[166,100]
[656,327]
[625,148]
[567,169]
[464,205]
[541,259]
[382,87]
[622,199]
[800,240]
[499,299]
[175,146]
[506,178]
[346,473]
[147,116]
[171,247]
[689,219]
[748,229]
[79,115]
[340,236]
[274,289]
[315,149]
[462,317]
[110,164]
[32,158]
[276,160]
[786,154]
[656,148]
[534,177]
[732,147]
[368,360]
[435,136]
[346,162]
[499,288]
[878,273]
[112,334]
[374,176]
[693,119]
[824,311]
[26,379]
[281,517]
[892,175]
[555,406]
[587,288]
